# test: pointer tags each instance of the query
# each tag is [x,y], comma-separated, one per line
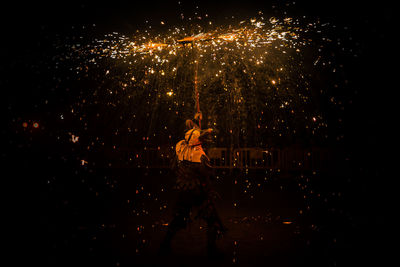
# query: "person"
[194,177]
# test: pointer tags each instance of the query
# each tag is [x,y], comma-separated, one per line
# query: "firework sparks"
[254,72]
[116,103]
[231,67]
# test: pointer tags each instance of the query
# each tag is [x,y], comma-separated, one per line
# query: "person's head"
[191,124]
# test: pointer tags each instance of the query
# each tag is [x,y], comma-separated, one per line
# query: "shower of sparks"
[253,71]
[256,86]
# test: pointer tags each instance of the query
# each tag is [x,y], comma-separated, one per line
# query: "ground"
[118,217]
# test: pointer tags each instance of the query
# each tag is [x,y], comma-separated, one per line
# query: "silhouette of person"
[194,177]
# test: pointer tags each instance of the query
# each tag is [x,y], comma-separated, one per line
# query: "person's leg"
[179,221]
[215,230]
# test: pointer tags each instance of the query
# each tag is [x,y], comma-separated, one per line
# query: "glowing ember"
[74,138]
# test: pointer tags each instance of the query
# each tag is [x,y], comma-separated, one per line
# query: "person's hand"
[198,115]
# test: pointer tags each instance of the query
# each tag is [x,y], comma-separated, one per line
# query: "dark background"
[29,29]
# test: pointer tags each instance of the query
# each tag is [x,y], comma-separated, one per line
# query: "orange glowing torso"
[190,149]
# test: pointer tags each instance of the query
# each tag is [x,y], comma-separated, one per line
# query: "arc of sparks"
[234,35]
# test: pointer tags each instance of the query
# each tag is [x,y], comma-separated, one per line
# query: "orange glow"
[155,45]
[36,125]
[24,124]
[150,46]
[201,36]
[228,36]
[287,222]
[74,138]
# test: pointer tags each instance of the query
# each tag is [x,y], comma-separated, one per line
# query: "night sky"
[62,127]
